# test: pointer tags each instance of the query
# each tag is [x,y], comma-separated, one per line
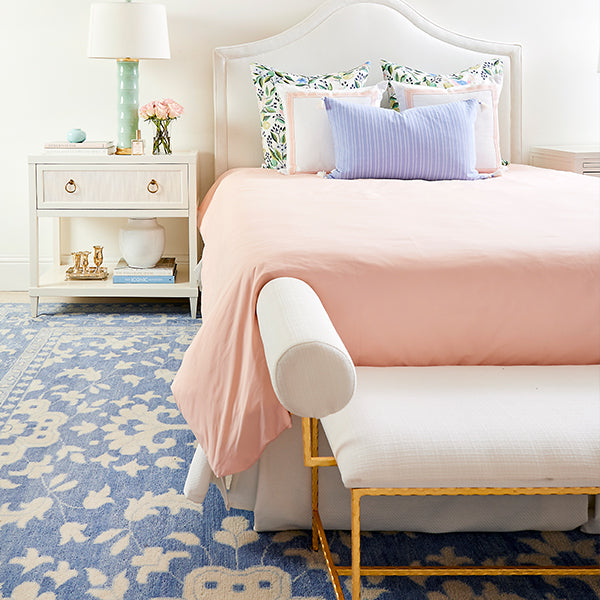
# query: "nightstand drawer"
[110,187]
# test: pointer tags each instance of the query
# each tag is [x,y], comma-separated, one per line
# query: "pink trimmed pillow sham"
[487,136]
[309,138]
[410,88]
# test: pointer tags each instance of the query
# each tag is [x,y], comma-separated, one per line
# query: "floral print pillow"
[271,109]
[488,71]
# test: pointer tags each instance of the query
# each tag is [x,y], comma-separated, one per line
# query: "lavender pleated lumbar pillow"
[429,142]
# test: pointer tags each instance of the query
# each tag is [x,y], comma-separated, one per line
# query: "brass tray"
[99,273]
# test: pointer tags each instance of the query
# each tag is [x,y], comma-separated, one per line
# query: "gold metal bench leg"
[310,433]
[314,435]
[331,568]
[315,507]
[355,545]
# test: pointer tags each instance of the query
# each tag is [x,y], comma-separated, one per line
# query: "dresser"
[96,187]
[576,158]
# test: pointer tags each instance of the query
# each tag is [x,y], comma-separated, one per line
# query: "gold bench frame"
[310,440]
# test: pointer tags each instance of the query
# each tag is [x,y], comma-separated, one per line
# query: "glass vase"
[162,138]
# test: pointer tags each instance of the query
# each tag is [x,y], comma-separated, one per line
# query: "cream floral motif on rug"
[93,457]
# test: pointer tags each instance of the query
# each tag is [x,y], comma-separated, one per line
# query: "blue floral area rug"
[93,458]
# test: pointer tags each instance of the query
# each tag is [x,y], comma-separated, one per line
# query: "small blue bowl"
[76,135]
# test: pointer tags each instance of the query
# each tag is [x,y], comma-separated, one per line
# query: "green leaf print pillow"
[271,109]
[489,71]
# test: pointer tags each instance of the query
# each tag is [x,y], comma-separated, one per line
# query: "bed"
[505,271]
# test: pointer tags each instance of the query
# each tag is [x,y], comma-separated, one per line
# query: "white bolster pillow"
[311,371]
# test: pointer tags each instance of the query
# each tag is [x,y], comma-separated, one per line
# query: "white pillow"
[309,140]
[487,137]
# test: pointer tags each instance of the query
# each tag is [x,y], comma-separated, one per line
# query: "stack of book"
[102,148]
[163,272]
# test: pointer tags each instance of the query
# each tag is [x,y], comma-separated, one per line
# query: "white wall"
[50,86]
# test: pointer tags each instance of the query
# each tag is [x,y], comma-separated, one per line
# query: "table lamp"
[128,31]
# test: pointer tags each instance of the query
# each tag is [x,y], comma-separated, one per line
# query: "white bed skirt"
[277,489]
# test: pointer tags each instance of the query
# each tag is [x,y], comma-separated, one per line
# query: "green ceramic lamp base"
[128,101]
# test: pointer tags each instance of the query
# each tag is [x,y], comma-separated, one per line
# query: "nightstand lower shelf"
[52,283]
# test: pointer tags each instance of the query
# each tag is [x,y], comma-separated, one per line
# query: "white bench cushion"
[470,426]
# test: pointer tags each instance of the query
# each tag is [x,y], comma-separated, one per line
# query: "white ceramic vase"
[142,242]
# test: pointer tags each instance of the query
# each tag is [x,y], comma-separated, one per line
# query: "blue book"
[143,278]
[163,272]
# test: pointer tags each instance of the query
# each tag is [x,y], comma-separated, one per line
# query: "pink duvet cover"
[498,271]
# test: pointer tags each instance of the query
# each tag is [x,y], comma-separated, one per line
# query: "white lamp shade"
[128,30]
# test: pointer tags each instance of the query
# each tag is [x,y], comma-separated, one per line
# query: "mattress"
[502,271]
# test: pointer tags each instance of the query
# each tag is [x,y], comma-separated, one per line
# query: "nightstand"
[578,159]
[90,186]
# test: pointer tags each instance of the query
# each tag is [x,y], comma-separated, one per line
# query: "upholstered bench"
[447,430]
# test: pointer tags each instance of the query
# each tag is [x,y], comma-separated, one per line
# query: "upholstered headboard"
[340,35]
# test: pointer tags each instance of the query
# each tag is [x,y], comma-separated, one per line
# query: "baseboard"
[14,273]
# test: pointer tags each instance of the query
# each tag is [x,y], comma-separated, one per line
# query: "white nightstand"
[73,185]
[578,159]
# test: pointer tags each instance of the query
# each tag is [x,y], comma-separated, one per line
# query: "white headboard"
[340,35]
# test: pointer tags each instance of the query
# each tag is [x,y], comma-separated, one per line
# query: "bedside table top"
[570,149]
[73,157]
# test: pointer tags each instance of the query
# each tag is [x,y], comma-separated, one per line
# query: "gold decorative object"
[84,261]
[77,260]
[81,268]
[98,256]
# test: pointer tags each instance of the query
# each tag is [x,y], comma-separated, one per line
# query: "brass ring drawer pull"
[70,186]
[152,187]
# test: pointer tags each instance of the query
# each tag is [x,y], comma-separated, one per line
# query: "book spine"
[104,151]
[78,146]
[127,272]
[143,278]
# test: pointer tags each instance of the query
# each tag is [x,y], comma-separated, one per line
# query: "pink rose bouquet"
[161,113]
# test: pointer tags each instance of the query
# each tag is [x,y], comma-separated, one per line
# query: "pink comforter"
[499,271]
